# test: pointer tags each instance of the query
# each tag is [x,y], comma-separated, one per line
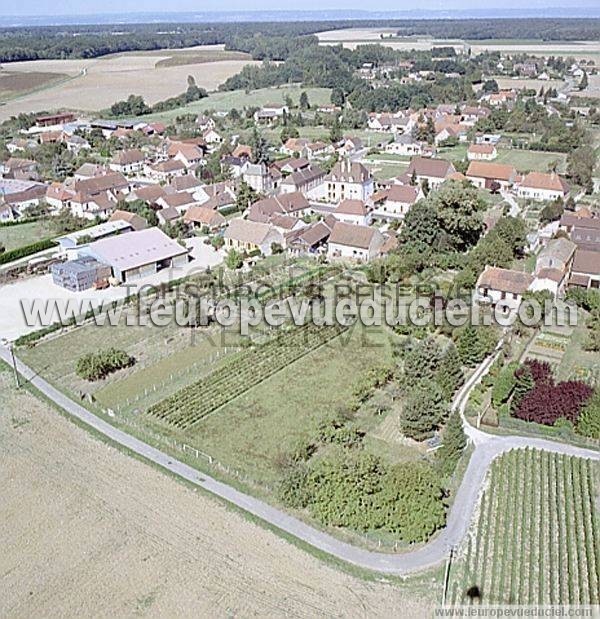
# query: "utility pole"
[447,576]
[14,363]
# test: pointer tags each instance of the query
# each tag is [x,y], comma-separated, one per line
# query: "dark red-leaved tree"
[541,371]
[547,401]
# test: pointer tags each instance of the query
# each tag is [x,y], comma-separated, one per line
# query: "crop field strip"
[243,371]
[537,538]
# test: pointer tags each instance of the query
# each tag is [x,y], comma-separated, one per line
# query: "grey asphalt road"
[431,554]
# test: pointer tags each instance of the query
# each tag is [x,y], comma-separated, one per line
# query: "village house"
[502,287]
[251,236]
[308,180]
[585,271]
[553,266]
[506,98]
[584,237]
[348,180]
[542,186]
[179,201]
[293,164]
[233,166]
[133,219]
[294,146]
[353,212]
[446,132]
[484,174]
[29,195]
[360,243]
[20,169]
[191,155]
[258,176]
[395,201]
[188,184]
[147,193]
[20,145]
[291,204]
[579,219]
[405,145]
[351,146]
[166,170]
[312,239]
[469,115]
[212,137]
[270,112]
[204,123]
[217,195]
[89,170]
[90,198]
[168,216]
[202,216]
[318,150]
[481,152]
[242,151]
[430,170]
[128,161]
[75,143]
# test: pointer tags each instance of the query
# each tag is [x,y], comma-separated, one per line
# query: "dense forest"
[284,37]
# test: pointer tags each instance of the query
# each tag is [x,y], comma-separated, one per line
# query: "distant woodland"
[264,40]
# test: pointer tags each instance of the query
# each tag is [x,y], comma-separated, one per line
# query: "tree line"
[264,40]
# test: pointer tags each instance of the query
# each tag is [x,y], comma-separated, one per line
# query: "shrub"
[95,366]
[474,344]
[27,250]
[504,384]
[588,422]
[453,443]
[424,409]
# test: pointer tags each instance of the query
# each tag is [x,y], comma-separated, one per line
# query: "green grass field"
[537,537]
[13,237]
[523,160]
[252,431]
[227,100]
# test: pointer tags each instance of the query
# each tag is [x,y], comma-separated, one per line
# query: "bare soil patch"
[16,83]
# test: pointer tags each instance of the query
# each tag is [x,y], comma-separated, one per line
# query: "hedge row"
[26,250]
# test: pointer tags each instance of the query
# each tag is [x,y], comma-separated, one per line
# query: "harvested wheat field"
[88,531]
[97,83]
[353,37]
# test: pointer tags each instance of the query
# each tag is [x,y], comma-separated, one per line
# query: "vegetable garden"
[243,371]
[537,539]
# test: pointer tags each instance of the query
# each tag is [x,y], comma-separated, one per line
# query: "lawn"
[240,99]
[522,160]
[535,539]
[13,237]
[383,171]
[252,431]
[527,160]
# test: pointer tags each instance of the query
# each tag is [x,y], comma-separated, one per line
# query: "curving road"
[487,448]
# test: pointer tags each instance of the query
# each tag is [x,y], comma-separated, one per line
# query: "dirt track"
[86,530]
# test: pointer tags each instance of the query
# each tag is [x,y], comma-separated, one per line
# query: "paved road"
[515,209]
[486,449]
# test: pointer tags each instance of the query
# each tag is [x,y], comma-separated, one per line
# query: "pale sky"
[78,7]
